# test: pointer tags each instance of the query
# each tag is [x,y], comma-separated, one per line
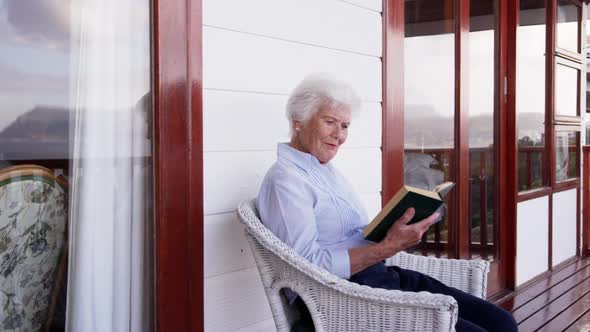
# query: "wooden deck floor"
[557,302]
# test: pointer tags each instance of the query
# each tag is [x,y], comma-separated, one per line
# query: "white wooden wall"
[532,238]
[564,225]
[533,223]
[254,53]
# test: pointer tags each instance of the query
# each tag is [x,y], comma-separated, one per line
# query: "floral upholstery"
[33,222]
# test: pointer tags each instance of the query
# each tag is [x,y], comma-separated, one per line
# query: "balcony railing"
[484,228]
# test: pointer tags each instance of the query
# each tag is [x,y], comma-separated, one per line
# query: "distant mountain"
[425,128]
[42,122]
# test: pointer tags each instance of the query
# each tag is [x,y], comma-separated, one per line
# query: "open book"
[424,202]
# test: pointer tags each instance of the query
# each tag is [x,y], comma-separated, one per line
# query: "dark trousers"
[475,314]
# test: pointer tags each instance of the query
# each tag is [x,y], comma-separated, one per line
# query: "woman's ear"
[296,125]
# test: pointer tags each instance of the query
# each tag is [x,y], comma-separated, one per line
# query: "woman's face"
[322,134]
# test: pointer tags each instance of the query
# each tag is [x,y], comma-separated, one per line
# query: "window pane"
[74,132]
[530,86]
[566,155]
[567,26]
[429,76]
[481,129]
[566,90]
[34,129]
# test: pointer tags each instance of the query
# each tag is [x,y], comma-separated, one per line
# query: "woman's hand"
[402,236]
[399,237]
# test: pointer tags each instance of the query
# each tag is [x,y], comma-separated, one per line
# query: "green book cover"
[424,203]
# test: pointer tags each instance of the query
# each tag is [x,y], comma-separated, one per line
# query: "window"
[482,145]
[429,110]
[567,144]
[568,74]
[530,91]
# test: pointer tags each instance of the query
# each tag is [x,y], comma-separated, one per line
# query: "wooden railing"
[484,237]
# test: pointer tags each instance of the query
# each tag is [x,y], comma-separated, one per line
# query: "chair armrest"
[470,276]
[337,304]
[347,306]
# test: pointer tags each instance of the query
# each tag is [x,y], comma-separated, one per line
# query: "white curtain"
[109,277]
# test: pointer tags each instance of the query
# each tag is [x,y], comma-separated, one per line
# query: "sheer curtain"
[109,285]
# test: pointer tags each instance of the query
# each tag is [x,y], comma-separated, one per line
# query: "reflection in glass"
[74,93]
[429,62]
[530,89]
[481,130]
[566,155]
[566,90]
[567,26]
[34,129]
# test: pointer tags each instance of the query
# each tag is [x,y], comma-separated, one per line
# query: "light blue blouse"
[313,209]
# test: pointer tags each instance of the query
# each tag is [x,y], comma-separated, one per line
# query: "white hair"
[317,91]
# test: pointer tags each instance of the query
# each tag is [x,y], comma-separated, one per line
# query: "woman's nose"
[337,132]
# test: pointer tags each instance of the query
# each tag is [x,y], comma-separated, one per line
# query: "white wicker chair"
[338,305]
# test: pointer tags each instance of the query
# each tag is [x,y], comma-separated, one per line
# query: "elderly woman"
[310,206]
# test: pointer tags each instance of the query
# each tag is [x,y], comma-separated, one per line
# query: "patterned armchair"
[336,304]
[33,223]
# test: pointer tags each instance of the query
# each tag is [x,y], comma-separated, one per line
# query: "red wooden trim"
[550,43]
[550,235]
[568,55]
[507,154]
[483,206]
[586,202]
[196,213]
[393,99]
[566,185]
[564,120]
[532,194]
[462,127]
[178,165]
[578,228]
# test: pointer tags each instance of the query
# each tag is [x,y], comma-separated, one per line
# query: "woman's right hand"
[399,237]
[402,236]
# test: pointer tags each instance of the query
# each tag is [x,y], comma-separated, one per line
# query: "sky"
[34,56]
[39,40]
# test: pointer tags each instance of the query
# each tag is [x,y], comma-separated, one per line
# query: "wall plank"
[235,300]
[372,203]
[232,177]
[375,5]
[243,62]
[254,121]
[226,247]
[361,167]
[254,53]
[350,27]
[532,222]
[564,226]
[264,326]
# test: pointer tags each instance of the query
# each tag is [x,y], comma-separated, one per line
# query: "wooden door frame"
[178,150]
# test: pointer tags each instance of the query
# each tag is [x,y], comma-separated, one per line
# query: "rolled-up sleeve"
[287,210]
